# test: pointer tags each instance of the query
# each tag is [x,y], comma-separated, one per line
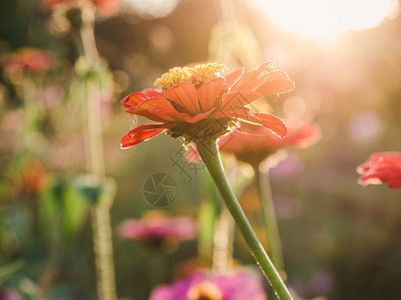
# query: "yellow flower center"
[196,75]
[204,291]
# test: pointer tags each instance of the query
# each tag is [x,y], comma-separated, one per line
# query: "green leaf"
[10,268]
[63,210]
[75,212]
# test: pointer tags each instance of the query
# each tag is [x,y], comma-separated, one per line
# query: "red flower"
[199,104]
[257,144]
[106,7]
[381,167]
[26,59]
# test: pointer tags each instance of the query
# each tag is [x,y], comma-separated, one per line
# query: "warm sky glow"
[326,18]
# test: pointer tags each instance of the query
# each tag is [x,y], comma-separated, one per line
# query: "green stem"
[103,247]
[211,157]
[206,224]
[223,243]
[273,235]
[103,252]
[50,272]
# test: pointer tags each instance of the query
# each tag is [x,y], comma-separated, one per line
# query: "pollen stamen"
[196,75]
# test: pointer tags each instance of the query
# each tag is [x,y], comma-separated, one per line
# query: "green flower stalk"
[101,211]
[211,157]
[89,69]
[273,234]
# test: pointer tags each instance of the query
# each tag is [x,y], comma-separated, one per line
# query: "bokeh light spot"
[294,107]
[365,125]
[327,18]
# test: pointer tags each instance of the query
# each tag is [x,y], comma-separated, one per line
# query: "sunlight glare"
[326,18]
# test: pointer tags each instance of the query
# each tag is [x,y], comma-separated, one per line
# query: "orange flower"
[34,177]
[199,104]
[258,143]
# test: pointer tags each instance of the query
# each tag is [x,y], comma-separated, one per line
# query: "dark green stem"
[273,235]
[211,157]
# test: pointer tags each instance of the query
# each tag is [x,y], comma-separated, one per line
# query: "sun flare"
[327,18]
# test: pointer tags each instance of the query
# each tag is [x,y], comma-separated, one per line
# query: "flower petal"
[181,117]
[153,93]
[302,136]
[162,113]
[146,109]
[141,134]
[394,183]
[232,77]
[232,101]
[133,100]
[209,91]
[382,167]
[274,83]
[268,121]
[198,117]
[238,112]
[247,81]
[136,98]
[184,93]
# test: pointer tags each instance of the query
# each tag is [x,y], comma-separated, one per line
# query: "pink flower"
[156,227]
[201,285]
[26,59]
[257,143]
[8,294]
[383,167]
